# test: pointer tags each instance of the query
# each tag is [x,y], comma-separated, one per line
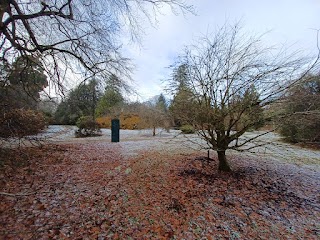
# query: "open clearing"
[155,188]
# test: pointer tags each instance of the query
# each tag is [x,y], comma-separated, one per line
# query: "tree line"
[62,38]
[97,99]
[222,86]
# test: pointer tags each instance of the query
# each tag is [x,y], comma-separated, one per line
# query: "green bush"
[87,127]
[187,129]
[301,119]
[290,132]
[300,129]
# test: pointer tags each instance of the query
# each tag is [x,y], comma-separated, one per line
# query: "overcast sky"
[288,22]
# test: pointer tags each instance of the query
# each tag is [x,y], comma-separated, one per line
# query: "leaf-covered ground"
[94,191]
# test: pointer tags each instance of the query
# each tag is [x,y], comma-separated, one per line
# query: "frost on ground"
[148,187]
[101,190]
[132,141]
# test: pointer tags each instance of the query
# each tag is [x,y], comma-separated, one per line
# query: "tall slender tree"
[182,96]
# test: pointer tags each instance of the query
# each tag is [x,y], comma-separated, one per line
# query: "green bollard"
[115,130]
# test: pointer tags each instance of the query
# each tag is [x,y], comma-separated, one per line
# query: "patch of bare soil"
[103,191]
[313,146]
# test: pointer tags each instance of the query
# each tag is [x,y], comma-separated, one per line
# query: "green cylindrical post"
[115,130]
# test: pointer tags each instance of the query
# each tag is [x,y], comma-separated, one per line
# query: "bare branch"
[232,80]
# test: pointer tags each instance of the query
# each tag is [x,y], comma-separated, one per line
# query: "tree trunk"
[3,9]
[223,164]
[154,131]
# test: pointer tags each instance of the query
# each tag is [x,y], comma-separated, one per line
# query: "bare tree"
[73,34]
[232,79]
[154,114]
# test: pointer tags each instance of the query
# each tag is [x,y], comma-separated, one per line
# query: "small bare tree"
[230,79]
[155,114]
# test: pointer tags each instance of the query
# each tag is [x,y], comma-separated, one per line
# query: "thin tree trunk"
[223,164]
[3,8]
[154,131]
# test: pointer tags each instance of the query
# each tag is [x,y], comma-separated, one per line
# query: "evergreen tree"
[112,97]
[183,98]
[82,101]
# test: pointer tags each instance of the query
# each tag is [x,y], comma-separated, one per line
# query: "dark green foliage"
[187,129]
[248,104]
[289,131]
[82,101]
[300,121]
[48,117]
[22,83]
[108,102]
[65,115]
[48,107]
[20,87]
[183,107]
[88,100]
[28,73]
[87,127]
[182,104]
[112,98]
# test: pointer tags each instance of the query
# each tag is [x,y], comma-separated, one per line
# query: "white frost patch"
[134,142]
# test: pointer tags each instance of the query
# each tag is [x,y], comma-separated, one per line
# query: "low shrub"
[20,123]
[130,121]
[300,129]
[105,122]
[87,127]
[127,121]
[187,129]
